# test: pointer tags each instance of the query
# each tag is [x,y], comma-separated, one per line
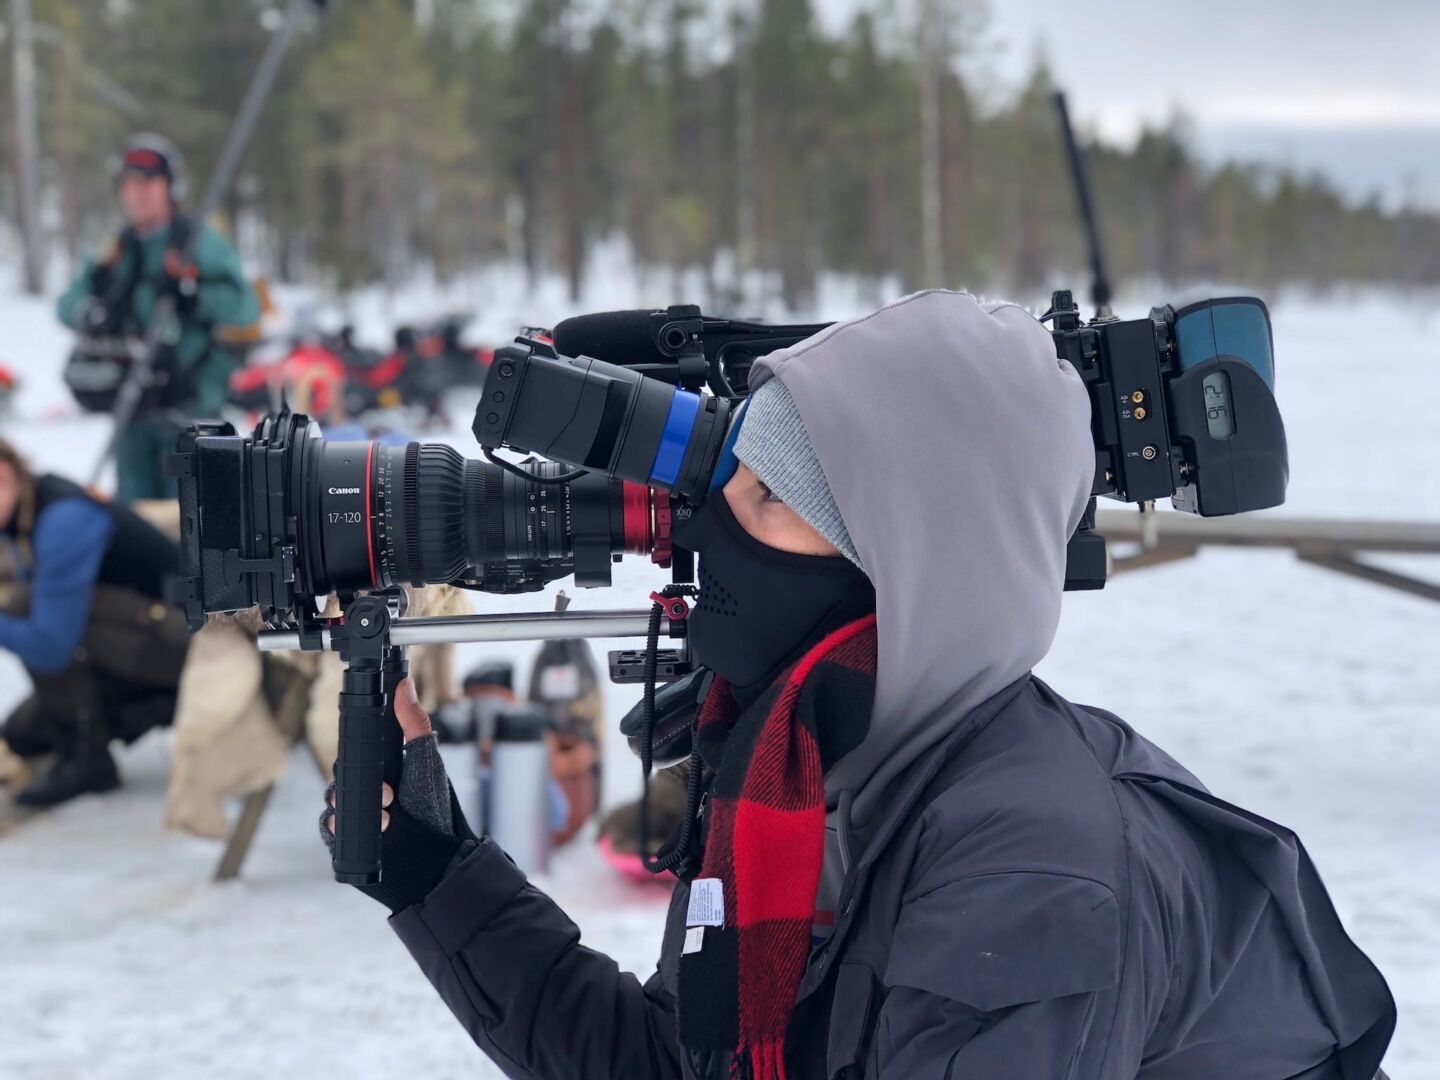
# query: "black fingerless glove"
[414,857]
[427,828]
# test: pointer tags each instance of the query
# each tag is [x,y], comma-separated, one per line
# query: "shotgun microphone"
[617,337]
[679,344]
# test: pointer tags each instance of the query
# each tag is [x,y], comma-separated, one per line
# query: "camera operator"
[87,619]
[918,859]
[113,301]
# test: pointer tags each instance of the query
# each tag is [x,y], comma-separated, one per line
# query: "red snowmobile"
[312,376]
[332,376]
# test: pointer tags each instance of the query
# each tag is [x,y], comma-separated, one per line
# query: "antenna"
[1100,281]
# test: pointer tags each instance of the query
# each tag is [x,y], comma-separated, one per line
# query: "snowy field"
[1306,697]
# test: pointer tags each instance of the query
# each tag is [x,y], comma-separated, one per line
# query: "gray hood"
[958,450]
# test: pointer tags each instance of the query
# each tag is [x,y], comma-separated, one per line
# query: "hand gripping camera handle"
[359,772]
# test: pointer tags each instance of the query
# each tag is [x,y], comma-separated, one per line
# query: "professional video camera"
[1182,407]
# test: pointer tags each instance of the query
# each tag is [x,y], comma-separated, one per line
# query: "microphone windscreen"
[617,337]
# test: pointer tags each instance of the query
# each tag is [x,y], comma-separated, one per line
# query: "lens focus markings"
[542,517]
[387,503]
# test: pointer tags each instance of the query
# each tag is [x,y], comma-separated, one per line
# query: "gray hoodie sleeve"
[509,964]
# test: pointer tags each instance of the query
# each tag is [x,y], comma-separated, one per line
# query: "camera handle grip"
[370,742]
[359,772]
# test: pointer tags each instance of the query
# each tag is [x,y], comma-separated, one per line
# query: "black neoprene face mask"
[759,606]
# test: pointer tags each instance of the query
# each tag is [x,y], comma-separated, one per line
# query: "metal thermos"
[517,816]
[483,711]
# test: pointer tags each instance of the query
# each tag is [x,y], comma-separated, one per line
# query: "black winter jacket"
[1048,896]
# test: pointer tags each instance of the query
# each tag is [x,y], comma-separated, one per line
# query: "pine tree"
[444,133]
[385,140]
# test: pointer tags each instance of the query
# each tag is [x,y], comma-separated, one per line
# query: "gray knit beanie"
[774,445]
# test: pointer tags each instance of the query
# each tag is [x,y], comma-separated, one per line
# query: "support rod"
[530,626]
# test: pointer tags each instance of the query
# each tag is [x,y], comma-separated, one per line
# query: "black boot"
[94,771]
[28,732]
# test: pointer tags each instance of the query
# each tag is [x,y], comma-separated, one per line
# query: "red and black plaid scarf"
[766,843]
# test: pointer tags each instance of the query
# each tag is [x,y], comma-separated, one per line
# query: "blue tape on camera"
[670,455]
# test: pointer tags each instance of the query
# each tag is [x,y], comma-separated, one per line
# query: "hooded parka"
[1026,888]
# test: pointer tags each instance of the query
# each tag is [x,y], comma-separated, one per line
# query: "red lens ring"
[635,499]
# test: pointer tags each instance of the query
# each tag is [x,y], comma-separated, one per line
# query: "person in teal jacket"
[114,299]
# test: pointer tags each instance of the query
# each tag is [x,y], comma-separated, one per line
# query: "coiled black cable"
[680,853]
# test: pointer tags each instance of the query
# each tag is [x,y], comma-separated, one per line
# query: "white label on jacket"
[707,903]
[694,940]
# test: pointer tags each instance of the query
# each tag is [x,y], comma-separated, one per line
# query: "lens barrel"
[376,516]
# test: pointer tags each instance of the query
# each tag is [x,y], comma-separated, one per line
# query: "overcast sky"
[1350,88]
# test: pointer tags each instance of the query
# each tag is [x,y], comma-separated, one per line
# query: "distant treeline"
[448,133]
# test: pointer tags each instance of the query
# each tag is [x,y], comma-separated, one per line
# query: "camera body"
[1182,407]
[237,551]
[1182,403]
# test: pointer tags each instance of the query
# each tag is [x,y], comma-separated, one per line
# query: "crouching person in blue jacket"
[84,612]
[915,860]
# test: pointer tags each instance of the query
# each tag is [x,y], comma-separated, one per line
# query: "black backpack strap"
[177,245]
[181,228]
[102,276]
[116,290]
[177,258]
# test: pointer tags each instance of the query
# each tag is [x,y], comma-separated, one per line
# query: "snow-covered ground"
[1309,698]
